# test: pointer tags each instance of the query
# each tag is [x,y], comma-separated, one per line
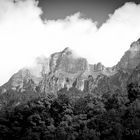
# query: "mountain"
[92,102]
[125,72]
[116,78]
[131,58]
[59,70]
[66,69]
[135,76]
[20,80]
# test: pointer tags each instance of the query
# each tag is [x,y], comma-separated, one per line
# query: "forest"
[70,115]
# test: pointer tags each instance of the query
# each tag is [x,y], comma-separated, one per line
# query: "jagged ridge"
[63,69]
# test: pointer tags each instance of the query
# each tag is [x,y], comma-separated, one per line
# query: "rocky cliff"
[131,58]
[66,69]
[119,76]
[59,70]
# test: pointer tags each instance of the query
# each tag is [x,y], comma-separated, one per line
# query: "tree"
[133,91]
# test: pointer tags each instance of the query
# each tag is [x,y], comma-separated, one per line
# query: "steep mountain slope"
[135,76]
[59,70]
[66,69]
[128,64]
[131,58]
[20,81]
[117,77]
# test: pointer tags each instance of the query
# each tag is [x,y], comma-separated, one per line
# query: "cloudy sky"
[98,30]
[97,10]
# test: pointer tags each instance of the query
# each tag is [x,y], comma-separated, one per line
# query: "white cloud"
[24,36]
[119,31]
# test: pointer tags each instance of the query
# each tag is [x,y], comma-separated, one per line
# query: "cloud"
[24,36]
[119,31]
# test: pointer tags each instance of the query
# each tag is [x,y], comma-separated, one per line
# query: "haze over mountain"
[67,69]
[25,35]
[70,71]
[65,97]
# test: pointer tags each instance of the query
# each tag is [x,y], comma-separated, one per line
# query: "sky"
[97,10]
[100,31]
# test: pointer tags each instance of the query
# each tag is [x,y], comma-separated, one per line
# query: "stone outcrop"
[66,69]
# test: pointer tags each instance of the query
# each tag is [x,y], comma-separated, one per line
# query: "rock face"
[126,71]
[135,76]
[20,81]
[116,78]
[61,69]
[131,58]
[66,69]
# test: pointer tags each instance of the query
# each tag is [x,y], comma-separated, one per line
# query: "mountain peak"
[131,58]
[135,46]
[65,67]
[138,40]
[67,51]
[99,66]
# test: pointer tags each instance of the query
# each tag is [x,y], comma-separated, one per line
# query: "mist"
[25,36]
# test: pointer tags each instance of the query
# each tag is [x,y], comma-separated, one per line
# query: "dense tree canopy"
[72,115]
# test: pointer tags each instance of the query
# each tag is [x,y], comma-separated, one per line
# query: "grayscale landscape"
[70,70]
